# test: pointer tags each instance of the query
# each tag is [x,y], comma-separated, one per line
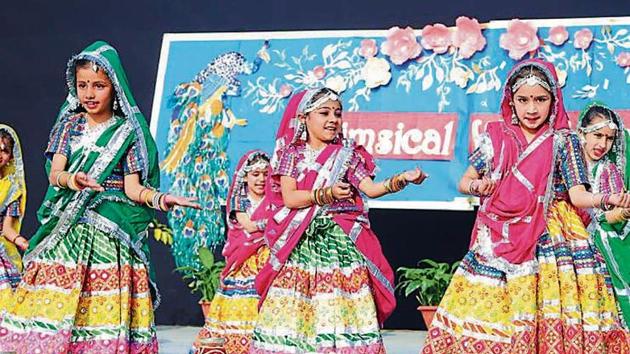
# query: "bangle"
[149,198]
[395,183]
[71,183]
[144,189]
[330,198]
[162,202]
[58,179]
[156,200]
[603,203]
[386,184]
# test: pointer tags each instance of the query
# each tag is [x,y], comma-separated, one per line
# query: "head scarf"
[515,213]
[240,244]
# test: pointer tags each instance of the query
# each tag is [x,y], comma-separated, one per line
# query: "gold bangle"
[58,179]
[331,196]
[71,183]
[144,189]
[149,198]
[162,203]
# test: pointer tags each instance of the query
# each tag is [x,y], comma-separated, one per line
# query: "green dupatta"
[612,239]
[111,211]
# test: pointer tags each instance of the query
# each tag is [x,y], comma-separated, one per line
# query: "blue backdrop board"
[468,90]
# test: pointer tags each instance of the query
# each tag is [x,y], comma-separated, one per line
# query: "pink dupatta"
[516,212]
[240,244]
[286,226]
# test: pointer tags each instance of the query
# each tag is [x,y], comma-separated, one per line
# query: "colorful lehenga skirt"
[321,301]
[88,294]
[234,309]
[9,278]
[561,302]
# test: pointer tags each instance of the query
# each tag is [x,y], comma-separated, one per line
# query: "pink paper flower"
[558,35]
[368,48]
[401,45]
[319,72]
[582,39]
[467,37]
[285,90]
[623,59]
[519,39]
[436,37]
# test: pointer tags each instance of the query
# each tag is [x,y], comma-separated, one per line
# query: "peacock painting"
[196,159]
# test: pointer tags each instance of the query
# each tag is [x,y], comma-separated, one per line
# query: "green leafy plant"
[428,281]
[205,280]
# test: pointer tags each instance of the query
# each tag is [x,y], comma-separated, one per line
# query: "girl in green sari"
[88,285]
[605,144]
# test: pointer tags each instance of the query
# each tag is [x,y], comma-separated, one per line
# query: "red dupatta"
[241,244]
[516,212]
[286,226]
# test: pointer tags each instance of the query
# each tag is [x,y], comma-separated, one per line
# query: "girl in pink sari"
[234,309]
[327,286]
[532,281]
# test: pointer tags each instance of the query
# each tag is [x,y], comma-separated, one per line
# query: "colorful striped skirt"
[9,279]
[321,301]
[88,294]
[234,309]
[561,302]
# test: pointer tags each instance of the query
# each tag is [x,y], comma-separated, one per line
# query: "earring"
[514,119]
[115,105]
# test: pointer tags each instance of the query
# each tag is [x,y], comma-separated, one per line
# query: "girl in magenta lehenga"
[533,280]
[234,309]
[327,286]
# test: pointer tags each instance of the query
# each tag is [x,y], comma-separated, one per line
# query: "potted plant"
[204,280]
[429,282]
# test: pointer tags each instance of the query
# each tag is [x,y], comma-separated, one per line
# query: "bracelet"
[162,202]
[395,184]
[156,200]
[144,189]
[149,198]
[72,183]
[386,184]
[58,179]
[603,203]
[322,196]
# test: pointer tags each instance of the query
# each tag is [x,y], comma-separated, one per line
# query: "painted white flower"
[562,77]
[460,76]
[376,72]
[336,83]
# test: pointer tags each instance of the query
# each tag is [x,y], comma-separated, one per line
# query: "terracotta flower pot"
[205,308]
[427,314]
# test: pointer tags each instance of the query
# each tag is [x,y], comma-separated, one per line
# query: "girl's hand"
[342,191]
[485,186]
[621,200]
[416,176]
[21,243]
[82,181]
[172,200]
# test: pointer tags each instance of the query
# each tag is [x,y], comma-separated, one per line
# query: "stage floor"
[177,340]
